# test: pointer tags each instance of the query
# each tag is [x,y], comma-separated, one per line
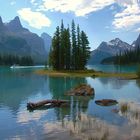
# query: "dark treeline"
[128,57]
[9,60]
[70,48]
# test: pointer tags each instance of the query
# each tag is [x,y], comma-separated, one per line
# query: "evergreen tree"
[67,49]
[69,52]
[74,43]
[128,57]
[62,44]
[78,50]
[85,49]
[55,53]
[9,60]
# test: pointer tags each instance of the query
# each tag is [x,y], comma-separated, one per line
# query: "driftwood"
[106,102]
[47,103]
[81,90]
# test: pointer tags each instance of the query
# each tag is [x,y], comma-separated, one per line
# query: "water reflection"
[138,82]
[83,119]
[59,86]
[14,89]
[85,127]
[115,83]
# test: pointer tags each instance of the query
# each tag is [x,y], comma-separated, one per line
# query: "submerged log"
[106,102]
[48,103]
[81,90]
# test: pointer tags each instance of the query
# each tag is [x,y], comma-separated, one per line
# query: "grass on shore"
[85,73]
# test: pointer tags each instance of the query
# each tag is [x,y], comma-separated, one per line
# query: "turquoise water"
[114,68]
[82,120]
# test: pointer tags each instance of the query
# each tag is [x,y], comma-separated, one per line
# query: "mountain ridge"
[108,49]
[17,40]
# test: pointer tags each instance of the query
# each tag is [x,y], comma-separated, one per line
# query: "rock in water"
[82,90]
[106,102]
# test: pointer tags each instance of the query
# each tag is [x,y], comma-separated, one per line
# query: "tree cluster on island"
[8,60]
[70,48]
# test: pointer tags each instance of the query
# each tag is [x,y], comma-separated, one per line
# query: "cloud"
[34,19]
[129,16]
[137,30]
[32,1]
[112,7]
[13,3]
[79,7]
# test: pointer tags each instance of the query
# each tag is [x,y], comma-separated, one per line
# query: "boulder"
[106,102]
[82,90]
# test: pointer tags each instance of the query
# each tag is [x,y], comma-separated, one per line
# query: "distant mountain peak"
[108,49]
[116,41]
[1,20]
[45,35]
[47,41]
[2,28]
[136,43]
[15,24]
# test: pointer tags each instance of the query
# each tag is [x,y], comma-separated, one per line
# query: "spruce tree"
[69,52]
[67,49]
[85,49]
[78,50]
[55,54]
[74,43]
[62,48]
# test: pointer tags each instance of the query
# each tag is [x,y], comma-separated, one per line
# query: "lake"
[82,120]
[114,68]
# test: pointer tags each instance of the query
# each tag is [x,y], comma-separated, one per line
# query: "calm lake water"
[82,120]
[114,68]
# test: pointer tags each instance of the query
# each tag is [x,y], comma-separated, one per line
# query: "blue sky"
[102,20]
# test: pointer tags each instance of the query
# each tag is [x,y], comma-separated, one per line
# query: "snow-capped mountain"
[108,49]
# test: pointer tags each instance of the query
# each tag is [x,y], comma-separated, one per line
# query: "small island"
[70,53]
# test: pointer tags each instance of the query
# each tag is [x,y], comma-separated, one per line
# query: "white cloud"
[79,7]
[126,18]
[13,3]
[129,16]
[35,19]
[126,21]
[137,30]
[32,1]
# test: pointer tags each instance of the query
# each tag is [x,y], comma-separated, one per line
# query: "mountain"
[47,41]
[17,40]
[108,49]
[2,27]
[136,43]
[15,25]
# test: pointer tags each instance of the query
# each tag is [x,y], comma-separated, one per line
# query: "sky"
[102,20]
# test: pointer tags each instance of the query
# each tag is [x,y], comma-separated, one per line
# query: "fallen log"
[48,103]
